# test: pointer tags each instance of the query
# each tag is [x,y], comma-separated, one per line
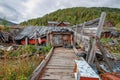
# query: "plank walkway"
[60,66]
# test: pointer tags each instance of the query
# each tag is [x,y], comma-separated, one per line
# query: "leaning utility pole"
[98,34]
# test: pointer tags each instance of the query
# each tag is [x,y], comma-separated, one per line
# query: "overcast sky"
[22,10]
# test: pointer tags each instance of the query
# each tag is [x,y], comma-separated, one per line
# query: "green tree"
[78,15]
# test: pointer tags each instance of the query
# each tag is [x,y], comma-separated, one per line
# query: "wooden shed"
[60,38]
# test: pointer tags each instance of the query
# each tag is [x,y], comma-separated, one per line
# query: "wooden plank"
[55,76]
[58,70]
[60,66]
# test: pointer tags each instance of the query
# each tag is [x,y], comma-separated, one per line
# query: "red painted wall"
[88,78]
[32,41]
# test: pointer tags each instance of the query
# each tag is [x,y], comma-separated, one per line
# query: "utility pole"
[98,34]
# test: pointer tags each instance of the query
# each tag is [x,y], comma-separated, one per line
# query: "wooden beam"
[104,53]
[82,30]
[98,34]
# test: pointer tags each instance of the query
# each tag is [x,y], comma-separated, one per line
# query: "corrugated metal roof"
[31,31]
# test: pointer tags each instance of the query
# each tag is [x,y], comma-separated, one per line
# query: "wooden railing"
[40,67]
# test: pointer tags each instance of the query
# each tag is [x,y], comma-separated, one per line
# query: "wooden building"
[92,25]
[39,34]
[58,24]
[61,38]
[33,34]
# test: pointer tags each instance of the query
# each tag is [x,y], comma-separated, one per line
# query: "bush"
[46,49]
[23,50]
[29,49]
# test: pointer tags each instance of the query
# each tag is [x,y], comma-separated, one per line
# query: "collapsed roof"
[4,36]
[93,23]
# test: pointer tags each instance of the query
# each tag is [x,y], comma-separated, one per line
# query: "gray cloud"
[8,12]
[20,10]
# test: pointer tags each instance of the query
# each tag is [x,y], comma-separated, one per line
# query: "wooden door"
[57,40]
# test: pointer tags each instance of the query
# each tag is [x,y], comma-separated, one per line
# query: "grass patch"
[21,69]
[105,40]
[18,69]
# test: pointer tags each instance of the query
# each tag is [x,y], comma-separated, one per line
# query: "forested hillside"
[6,22]
[77,15]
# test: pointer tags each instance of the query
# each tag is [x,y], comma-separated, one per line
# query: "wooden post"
[82,30]
[76,32]
[47,38]
[26,40]
[100,25]
[72,39]
[35,38]
[98,34]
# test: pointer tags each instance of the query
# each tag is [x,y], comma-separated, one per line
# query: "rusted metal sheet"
[110,76]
